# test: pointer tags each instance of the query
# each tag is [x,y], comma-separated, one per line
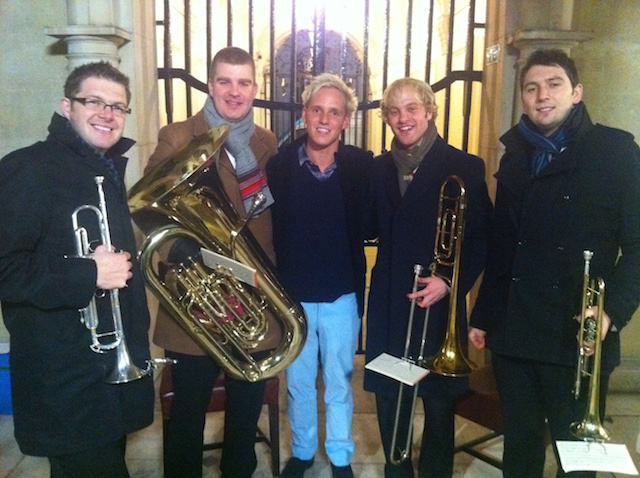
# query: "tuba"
[235,307]
[590,335]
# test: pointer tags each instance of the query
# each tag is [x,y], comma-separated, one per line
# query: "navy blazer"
[353,169]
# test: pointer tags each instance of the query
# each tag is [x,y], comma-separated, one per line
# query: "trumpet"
[125,370]
[590,336]
[450,360]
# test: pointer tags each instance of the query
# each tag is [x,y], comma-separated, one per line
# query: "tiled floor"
[144,449]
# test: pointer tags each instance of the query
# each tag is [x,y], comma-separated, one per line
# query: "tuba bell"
[229,316]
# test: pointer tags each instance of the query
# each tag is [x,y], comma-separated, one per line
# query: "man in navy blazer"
[320,189]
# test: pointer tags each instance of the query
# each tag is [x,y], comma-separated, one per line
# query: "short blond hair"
[329,80]
[422,90]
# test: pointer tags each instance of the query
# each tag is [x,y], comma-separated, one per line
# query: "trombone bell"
[450,360]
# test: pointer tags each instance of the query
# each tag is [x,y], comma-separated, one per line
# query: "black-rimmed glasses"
[99,106]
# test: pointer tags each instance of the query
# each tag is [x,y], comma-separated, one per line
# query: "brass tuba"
[229,318]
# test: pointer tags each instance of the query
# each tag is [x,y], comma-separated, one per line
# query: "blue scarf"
[548,147]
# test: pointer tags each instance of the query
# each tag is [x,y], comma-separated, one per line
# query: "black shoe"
[296,467]
[341,471]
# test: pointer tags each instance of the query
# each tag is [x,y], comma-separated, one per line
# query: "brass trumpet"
[590,336]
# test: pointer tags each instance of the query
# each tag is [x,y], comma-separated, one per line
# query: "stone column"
[92,32]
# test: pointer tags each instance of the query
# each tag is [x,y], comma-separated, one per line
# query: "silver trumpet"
[124,371]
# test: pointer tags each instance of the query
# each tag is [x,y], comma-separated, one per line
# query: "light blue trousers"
[332,336]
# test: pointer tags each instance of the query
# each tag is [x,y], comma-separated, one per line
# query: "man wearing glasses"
[63,407]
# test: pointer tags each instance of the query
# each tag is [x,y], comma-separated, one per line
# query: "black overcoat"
[61,403]
[587,198]
[353,167]
[406,227]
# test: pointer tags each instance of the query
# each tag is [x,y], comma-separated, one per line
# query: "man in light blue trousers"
[320,188]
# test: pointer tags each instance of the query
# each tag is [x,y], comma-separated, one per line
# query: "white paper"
[243,273]
[397,369]
[592,456]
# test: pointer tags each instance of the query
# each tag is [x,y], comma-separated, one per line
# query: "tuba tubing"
[228,319]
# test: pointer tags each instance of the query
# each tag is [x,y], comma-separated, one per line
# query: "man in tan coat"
[232,89]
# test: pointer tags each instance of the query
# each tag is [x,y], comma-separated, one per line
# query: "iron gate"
[369,43]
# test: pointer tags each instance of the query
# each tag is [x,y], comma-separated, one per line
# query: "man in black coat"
[564,186]
[320,189]
[406,188]
[63,407]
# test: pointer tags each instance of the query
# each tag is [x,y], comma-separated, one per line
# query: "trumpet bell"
[125,370]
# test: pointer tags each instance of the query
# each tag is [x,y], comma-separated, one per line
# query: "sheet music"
[591,456]
[243,273]
[397,369]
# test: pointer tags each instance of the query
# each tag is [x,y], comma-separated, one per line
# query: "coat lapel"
[390,179]
[429,175]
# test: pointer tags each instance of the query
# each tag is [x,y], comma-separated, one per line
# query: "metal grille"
[369,43]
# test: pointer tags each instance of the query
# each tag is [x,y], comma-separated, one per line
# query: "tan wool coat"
[168,333]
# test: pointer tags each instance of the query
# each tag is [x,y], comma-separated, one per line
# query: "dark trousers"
[531,392]
[106,461]
[193,379]
[436,450]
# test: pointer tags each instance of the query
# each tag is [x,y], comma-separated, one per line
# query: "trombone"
[450,359]
[124,371]
[590,336]
[403,453]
